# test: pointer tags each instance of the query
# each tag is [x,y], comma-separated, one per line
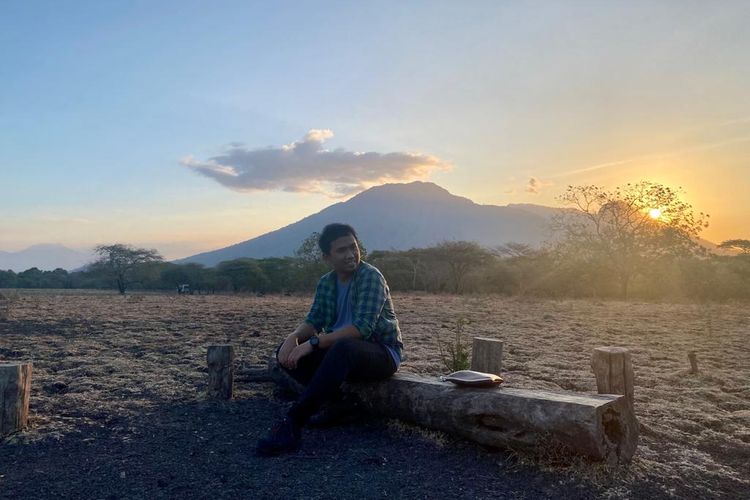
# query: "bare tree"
[620,230]
[461,257]
[121,262]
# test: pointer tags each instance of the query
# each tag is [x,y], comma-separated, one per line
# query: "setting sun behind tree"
[654,213]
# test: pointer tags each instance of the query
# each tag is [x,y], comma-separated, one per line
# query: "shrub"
[455,354]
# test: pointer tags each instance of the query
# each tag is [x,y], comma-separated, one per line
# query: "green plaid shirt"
[372,307]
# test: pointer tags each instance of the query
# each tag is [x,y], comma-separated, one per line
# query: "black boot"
[283,438]
[337,413]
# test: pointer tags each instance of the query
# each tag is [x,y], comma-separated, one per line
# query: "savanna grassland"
[118,410]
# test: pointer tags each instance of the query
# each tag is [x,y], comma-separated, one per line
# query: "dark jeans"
[324,370]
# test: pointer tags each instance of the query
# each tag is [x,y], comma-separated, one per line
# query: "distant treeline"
[637,241]
[451,267]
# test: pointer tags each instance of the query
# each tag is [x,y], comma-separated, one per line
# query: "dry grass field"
[103,361]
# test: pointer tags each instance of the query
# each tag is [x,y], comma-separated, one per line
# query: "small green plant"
[455,354]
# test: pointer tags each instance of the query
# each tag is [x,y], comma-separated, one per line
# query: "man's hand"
[298,353]
[286,350]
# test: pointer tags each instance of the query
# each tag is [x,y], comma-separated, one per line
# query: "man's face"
[344,255]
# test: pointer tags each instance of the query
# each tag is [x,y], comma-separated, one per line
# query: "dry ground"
[118,412]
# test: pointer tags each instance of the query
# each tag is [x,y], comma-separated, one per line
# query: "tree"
[402,268]
[460,257]
[8,279]
[742,245]
[310,262]
[121,262]
[621,230]
[242,275]
[279,273]
[175,275]
[309,251]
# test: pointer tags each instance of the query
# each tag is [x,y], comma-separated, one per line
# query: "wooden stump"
[693,362]
[613,370]
[220,371]
[487,355]
[15,390]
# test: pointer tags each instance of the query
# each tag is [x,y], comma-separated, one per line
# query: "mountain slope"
[45,257]
[399,216]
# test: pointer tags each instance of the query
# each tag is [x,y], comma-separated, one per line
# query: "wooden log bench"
[600,426]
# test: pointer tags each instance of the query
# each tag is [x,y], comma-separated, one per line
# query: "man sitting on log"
[361,339]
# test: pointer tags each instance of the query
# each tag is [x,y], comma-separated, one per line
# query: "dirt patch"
[118,409]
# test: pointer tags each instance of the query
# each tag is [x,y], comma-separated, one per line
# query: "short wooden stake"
[487,355]
[220,371]
[693,362]
[613,370]
[15,391]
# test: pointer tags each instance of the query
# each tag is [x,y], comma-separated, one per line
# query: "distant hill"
[45,257]
[401,216]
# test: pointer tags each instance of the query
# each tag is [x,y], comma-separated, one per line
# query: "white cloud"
[305,166]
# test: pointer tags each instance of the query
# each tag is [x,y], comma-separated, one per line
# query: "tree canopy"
[742,245]
[623,229]
[122,263]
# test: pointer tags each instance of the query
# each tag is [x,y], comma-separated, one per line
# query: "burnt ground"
[199,450]
[118,407]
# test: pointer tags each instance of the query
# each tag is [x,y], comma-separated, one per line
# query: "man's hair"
[332,232]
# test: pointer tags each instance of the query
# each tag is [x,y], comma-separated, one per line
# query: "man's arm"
[326,341]
[329,339]
[303,332]
[314,322]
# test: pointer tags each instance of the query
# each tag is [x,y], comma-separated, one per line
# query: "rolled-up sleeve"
[371,298]
[316,316]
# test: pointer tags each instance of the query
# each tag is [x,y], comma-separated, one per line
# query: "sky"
[188,126]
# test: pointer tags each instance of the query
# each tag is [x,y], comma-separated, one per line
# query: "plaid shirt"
[372,307]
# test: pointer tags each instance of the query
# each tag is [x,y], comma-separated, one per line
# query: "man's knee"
[345,346]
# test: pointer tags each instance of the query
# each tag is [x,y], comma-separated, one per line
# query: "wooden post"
[613,370]
[220,371]
[15,391]
[693,362]
[487,355]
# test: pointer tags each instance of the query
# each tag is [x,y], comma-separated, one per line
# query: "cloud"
[535,185]
[658,156]
[305,166]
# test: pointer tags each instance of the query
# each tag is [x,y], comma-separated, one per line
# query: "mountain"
[401,216]
[45,257]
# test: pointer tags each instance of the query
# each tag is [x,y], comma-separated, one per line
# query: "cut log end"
[620,432]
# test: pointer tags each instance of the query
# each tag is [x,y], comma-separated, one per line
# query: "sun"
[654,213]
